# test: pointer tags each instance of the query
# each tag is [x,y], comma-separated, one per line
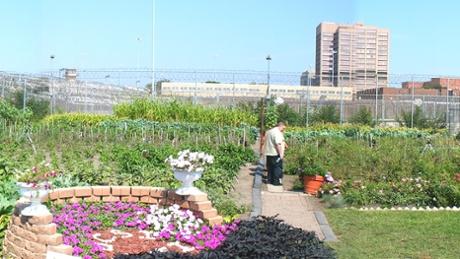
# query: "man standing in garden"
[274,153]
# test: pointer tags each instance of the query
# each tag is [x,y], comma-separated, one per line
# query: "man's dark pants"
[274,170]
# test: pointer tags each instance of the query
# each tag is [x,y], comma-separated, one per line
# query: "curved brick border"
[34,236]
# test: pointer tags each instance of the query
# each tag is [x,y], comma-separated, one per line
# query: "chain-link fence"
[98,90]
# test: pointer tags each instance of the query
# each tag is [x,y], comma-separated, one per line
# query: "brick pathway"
[291,207]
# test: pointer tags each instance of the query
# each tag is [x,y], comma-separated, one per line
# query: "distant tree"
[157,86]
[438,87]
[11,115]
[363,116]
[288,115]
[421,121]
[325,114]
[38,106]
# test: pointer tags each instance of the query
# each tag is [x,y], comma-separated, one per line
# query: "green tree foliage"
[289,115]
[271,117]
[325,114]
[421,121]
[38,106]
[12,115]
[438,87]
[363,116]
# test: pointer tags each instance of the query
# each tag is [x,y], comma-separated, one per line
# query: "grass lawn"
[395,234]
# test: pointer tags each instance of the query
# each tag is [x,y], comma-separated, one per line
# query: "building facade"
[442,82]
[352,55]
[211,90]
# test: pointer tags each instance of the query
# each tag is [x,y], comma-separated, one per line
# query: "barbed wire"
[98,90]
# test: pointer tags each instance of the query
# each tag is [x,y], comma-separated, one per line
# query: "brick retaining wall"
[34,236]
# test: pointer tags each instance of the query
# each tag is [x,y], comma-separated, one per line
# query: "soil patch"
[133,241]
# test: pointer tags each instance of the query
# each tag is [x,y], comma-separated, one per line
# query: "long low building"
[252,90]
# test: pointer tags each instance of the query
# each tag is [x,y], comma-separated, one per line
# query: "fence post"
[412,106]
[376,99]
[447,106]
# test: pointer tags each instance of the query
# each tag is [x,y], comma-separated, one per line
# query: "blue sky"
[220,34]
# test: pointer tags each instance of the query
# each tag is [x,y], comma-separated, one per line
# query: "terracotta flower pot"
[312,183]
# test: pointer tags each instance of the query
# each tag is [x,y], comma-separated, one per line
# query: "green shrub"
[444,195]
[363,116]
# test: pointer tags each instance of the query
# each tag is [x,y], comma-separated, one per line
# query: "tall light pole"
[52,86]
[308,95]
[137,74]
[267,98]
[333,64]
[268,58]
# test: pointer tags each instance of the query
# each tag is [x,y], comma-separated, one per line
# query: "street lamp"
[52,87]
[268,58]
[267,97]
[333,61]
[137,79]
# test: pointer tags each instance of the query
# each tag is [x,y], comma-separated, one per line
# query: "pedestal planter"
[312,183]
[187,178]
[35,195]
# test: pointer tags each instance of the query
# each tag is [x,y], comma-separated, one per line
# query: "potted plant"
[312,177]
[34,185]
[188,167]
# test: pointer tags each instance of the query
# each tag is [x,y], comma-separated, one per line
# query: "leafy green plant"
[67,180]
[4,220]
[333,201]
[38,106]
[175,110]
[289,115]
[6,170]
[12,115]
[363,116]
[325,114]
[419,120]
[444,194]
[312,170]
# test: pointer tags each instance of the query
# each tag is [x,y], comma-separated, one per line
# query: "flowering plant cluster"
[330,186]
[457,177]
[38,178]
[76,222]
[190,161]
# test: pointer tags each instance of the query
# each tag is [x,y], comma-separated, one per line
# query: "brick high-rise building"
[352,55]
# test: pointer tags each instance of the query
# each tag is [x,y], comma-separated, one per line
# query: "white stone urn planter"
[35,195]
[187,178]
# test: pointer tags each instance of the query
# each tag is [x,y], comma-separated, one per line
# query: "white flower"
[190,161]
